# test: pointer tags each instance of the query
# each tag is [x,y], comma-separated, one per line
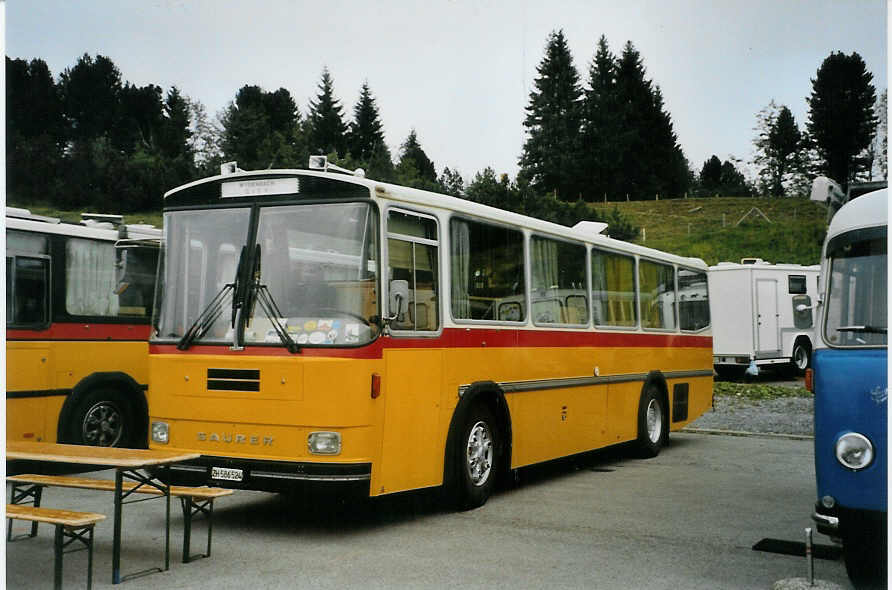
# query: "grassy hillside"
[708,228]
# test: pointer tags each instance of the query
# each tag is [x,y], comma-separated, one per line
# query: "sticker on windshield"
[317,338]
[310,325]
[351,333]
[302,338]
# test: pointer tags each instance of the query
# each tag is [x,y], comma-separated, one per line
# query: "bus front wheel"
[102,418]
[653,423]
[864,551]
[474,459]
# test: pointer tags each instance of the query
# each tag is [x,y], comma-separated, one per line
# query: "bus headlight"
[324,443]
[854,451]
[160,432]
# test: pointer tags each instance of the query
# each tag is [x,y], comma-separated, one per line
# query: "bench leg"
[57,550]
[190,509]
[20,495]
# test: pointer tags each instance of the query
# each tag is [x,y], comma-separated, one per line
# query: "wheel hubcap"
[103,425]
[800,357]
[654,421]
[479,453]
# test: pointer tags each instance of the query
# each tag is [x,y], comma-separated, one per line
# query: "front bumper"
[826,519]
[272,476]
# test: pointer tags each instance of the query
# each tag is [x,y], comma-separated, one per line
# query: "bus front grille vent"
[234,379]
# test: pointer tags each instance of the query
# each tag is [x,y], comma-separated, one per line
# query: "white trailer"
[762,314]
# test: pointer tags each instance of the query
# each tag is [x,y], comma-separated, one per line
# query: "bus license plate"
[226,473]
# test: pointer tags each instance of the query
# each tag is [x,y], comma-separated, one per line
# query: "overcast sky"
[460,71]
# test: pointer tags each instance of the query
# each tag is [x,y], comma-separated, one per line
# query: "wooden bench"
[74,526]
[194,500]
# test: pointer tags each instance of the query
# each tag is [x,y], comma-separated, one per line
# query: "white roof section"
[721,266]
[24,220]
[413,196]
[868,210]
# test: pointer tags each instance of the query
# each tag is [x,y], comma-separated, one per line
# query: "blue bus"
[849,381]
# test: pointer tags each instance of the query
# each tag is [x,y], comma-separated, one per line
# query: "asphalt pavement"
[687,519]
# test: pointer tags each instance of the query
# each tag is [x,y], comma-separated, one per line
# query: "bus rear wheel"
[473,459]
[653,423]
[102,418]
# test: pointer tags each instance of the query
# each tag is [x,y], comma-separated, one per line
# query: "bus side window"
[27,291]
[693,300]
[657,294]
[488,281]
[558,282]
[613,289]
[413,252]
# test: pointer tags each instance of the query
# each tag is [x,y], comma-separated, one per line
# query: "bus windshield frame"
[271,273]
[856,302]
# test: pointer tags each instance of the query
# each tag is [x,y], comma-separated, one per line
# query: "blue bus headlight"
[854,451]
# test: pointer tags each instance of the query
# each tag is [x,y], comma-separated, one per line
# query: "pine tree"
[415,168]
[550,159]
[366,130]
[35,132]
[325,123]
[601,132]
[779,148]
[260,129]
[841,117]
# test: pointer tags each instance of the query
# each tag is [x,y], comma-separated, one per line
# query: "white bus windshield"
[856,304]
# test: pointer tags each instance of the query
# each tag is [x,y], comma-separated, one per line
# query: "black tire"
[473,459]
[801,357]
[864,552]
[653,423]
[103,417]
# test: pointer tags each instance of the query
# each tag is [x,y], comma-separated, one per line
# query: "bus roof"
[24,220]
[869,210]
[412,196]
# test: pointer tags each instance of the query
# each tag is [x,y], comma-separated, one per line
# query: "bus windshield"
[856,302]
[317,265]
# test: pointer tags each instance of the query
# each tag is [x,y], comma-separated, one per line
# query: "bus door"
[411,453]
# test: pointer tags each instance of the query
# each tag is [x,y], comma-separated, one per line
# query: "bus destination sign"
[256,188]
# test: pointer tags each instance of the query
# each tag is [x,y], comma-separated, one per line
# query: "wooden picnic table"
[130,464]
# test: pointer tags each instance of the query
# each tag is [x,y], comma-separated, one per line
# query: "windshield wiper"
[256,292]
[863,328]
[206,318]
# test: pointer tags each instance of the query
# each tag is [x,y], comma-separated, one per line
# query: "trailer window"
[796,284]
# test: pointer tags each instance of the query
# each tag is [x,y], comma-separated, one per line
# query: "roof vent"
[590,227]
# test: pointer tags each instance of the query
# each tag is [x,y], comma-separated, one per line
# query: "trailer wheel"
[801,357]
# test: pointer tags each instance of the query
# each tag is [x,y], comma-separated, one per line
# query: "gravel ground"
[790,415]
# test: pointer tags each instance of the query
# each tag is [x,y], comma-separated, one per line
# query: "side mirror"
[399,300]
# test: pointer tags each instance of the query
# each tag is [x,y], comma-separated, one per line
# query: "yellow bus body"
[403,432]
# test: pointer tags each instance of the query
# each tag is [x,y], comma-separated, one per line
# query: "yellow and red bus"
[321,327]
[78,311]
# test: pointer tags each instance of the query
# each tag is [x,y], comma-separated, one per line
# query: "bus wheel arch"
[111,407]
[653,416]
[481,417]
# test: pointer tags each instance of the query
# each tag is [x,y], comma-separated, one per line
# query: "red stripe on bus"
[83,331]
[469,338]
